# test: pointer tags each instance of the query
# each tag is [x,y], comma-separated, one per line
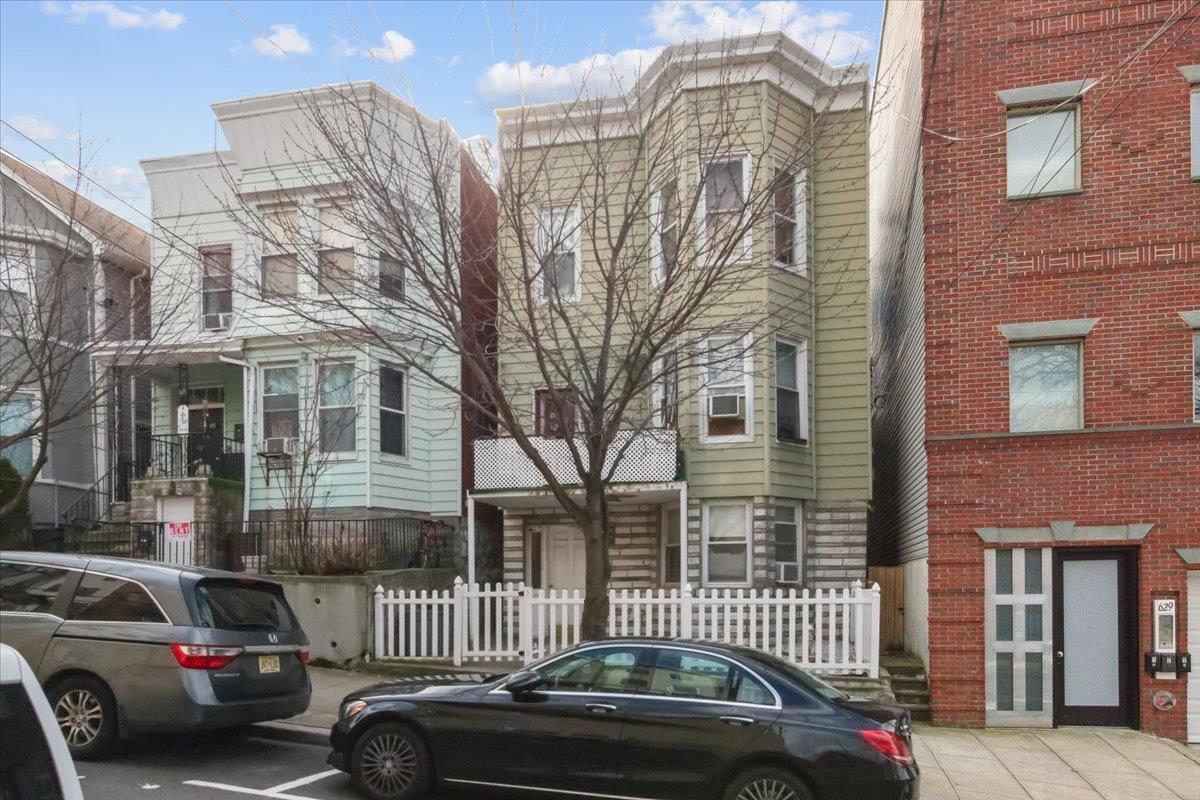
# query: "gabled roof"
[122,242]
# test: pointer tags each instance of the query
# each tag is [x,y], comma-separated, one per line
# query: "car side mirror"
[523,681]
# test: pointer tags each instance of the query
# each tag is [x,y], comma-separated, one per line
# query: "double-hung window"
[554,412]
[391,277]
[216,290]
[280,408]
[335,257]
[726,410]
[788,528]
[393,416]
[1045,386]
[19,417]
[726,231]
[725,529]
[791,391]
[337,415]
[670,545]
[1043,152]
[791,219]
[664,224]
[16,271]
[665,394]
[559,253]
[279,261]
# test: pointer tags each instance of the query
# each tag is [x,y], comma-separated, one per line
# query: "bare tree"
[634,249]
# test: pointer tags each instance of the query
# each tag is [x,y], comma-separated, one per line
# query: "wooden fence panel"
[891,605]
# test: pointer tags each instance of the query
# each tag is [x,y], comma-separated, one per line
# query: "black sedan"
[631,718]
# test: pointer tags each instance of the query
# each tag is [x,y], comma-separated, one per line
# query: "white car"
[34,761]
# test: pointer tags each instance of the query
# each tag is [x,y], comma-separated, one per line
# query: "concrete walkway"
[1063,764]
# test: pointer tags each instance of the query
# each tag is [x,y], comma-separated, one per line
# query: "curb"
[290,732]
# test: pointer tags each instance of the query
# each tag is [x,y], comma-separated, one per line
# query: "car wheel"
[766,783]
[86,715]
[390,762]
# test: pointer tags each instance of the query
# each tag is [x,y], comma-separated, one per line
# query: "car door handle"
[600,708]
[737,720]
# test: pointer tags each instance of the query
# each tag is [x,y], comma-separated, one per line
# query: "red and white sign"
[179,531]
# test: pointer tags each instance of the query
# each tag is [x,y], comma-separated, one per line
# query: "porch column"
[683,527]
[470,540]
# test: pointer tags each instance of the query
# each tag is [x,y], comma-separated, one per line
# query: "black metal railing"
[310,547]
[94,504]
[182,455]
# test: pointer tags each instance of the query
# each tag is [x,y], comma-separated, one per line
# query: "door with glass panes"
[1018,623]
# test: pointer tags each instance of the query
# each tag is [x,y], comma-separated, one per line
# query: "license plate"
[267,664]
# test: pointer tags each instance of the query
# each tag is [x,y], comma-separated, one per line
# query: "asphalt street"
[221,766]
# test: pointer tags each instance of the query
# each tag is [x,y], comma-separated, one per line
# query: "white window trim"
[35,409]
[702,204]
[658,273]
[704,512]
[542,226]
[748,384]
[799,263]
[1076,109]
[797,507]
[261,437]
[658,390]
[380,407]
[663,559]
[20,256]
[1018,599]
[801,346]
[201,250]
[337,455]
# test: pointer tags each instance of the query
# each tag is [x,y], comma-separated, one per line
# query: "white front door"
[1193,637]
[564,559]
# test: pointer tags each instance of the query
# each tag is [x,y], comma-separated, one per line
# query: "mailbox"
[1175,664]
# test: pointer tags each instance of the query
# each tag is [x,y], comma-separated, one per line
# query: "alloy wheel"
[767,789]
[389,764]
[79,716]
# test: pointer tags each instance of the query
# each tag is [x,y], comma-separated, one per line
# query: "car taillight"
[890,744]
[203,656]
[303,656]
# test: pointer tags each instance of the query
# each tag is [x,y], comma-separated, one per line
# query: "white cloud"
[115,16]
[128,184]
[826,33]
[342,48]
[395,48]
[39,129]
[285,40]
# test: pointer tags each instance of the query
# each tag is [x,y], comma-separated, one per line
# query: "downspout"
[248,390]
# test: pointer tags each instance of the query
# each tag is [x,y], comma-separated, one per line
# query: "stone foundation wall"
[835,545]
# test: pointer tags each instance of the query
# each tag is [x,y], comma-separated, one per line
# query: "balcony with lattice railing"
[649,456]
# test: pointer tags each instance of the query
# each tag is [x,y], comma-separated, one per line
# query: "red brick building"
[1036,302]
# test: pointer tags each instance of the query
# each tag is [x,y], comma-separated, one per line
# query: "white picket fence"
[829,631]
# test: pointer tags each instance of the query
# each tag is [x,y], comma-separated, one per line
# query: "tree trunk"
[594,622]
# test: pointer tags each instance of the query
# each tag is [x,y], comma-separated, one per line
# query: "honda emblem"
[272,638]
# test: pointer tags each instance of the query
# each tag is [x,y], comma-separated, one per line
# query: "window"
[337,416]
[1196,132]
[670,546]
[1018,641]
[664,221]
[789,543]
[25,760]
[726,534]
[18,417]
[1042,152]
[726,396]
[1196,377]
[235,605]
[665,394]
[601,669]
[216,287]
[683,674]
[558,246]
[335,257]
[554,412]
[1044,387]
[280,408]
[29,588]
[101,598]
[391,277]
[791,219]
[16,270]
[791,391]
[392,416]
[279,262]
[724,200]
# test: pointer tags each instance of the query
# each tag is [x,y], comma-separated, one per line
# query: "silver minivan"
[127,647]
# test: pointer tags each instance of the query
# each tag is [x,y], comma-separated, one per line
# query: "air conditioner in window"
[727,406]
[787,573]
[280,446]
[218,322]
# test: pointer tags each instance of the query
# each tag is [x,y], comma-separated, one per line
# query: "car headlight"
[353,708]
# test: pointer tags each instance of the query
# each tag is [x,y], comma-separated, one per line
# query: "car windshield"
[805,679]
[242,606]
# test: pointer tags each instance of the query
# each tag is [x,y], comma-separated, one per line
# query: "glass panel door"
[1018,648]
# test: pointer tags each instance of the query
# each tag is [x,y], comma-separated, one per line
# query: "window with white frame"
[791,219]
[726,232]
[670,546]
[726,531]
[280,264]
[726,410]
[216,287]
[1196,376]
[391,277]
[337,414]
[791,391]
[335,256]
[559,253]
[280,408]
[16,270]
[664,228]
[788,530]
[1018,636]
[665,395]
[1042,152]
[18,417]
[393,417]
[1045,387]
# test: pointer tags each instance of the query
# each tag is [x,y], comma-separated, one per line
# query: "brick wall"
[1125,250]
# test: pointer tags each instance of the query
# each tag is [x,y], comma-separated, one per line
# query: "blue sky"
[114,81]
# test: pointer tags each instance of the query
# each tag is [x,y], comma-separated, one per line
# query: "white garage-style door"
[1193,686]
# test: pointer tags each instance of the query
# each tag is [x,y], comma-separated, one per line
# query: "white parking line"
[225,787]
[283,787]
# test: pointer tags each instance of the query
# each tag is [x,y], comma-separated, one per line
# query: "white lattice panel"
[648,458]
